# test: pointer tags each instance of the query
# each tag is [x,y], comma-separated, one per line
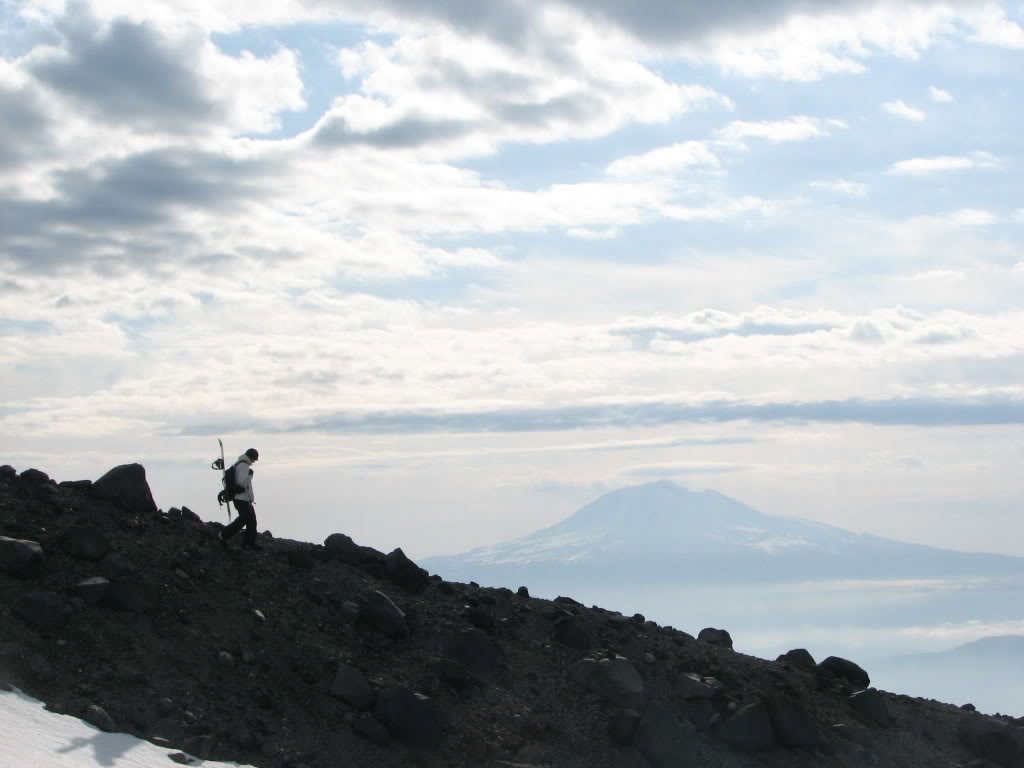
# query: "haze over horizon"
[457,269]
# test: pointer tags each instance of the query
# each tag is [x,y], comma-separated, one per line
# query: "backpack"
[231,488]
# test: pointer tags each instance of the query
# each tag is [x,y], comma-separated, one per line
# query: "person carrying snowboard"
[243,499]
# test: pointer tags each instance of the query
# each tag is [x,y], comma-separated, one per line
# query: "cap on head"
[253,454]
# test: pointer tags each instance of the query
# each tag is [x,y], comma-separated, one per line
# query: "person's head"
[253,454]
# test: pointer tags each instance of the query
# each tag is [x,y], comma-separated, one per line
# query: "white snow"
[31,737]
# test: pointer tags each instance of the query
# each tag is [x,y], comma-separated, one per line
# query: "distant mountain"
[661,532]
[988,673]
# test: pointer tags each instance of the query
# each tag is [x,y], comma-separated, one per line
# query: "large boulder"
[993,739]
[800,658]
[614,680]
[125,485]
[130,596]
[847,670]
[569,633]
[403,572]
[664,741]
[20,557]
[410,718]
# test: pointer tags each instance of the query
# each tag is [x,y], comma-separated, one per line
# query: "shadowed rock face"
[339,655]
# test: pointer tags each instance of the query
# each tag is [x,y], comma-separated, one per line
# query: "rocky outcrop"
[307,655]
[126,486]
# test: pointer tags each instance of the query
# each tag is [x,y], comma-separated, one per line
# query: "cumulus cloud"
[904,110]
[926,165]
[940,96]
[670,159]
[798,128]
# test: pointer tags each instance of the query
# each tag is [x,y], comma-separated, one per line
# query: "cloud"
[162,80]
[919,412]
[843,187]
[798,128]
[901,109]
[670,159]
[940,96]
[925,165]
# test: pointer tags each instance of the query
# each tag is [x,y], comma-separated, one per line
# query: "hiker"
[243,503]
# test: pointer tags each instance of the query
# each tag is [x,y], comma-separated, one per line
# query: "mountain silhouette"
[661,532]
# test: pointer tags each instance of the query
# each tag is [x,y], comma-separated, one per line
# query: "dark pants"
[246,517]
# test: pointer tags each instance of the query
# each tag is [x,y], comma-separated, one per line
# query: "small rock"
[614,680]
[225,659]
[182,759]
[259,616]
[523,592]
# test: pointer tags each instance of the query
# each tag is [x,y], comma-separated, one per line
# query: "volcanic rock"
[847,670]
[379,613]
[614,680]
[871,705]
[84,542]
[20,557]
[719,637]
[42,609]
[993,739]
[403,572]
[798,657]
[664,741]
[749,729]
[350,685]
[126,486]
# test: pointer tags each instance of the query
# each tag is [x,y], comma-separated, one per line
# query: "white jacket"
[243,477]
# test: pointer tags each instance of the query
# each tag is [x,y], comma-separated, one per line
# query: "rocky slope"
[337,655]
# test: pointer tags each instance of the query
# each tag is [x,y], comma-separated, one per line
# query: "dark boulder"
[479,617]
[410,718]
[522,592]
[125,485]
[97,716]
[83,542]
[42,609]
[792,723]
[35,477]
[664,741]
[847,670]
[403,572]
[798,657]
[8,472]
[341,547]
[20,557]
[719,637]
[350,685]
[379,613]
[749,729]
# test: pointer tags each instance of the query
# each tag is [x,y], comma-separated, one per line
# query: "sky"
[34,736]
[458,268]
